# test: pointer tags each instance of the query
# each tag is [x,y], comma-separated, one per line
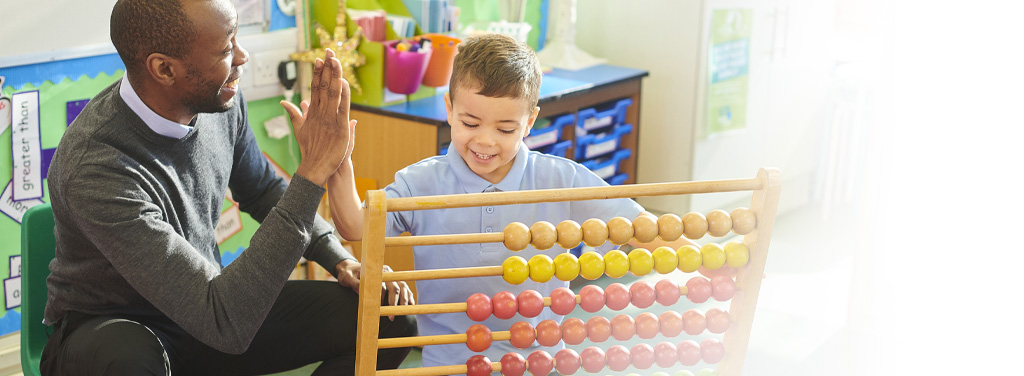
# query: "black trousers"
[311,321]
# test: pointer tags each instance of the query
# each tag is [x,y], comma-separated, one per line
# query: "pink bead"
[478,365]
[563,301]
[694,322]
[593,359]
[574,331]
[642,356]
[688,352]
[522,335]
[505,305]
[667,292]
[531,303]
[642,294]
[712,350]
[671,323]
[513,364]
[591,298]
[567,361]
[478,307]
[616,296]
[665,354]
[548,333]
[717,320]
[698,289]
[598,329]
[647,325]
[723,288]
[623,327]
[539,363]
[618,358]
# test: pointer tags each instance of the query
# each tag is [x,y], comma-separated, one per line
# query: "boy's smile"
[487,132]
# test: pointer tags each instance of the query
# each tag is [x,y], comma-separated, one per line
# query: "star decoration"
[343,46]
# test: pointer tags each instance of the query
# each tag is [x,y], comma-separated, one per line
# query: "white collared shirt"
[157,123]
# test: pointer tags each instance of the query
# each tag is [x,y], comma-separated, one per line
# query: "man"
[136,184]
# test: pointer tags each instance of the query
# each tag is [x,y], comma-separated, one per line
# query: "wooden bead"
[517,236]
[743,220]
[670,227]
[620,230]
[694,225]
[543,235]
[719,223]
[569,234]
[595,232]
[645,228]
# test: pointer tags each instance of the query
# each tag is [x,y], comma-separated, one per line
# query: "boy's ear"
[533,119]
[448,107]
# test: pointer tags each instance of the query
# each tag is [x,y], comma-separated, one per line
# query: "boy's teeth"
[482,156]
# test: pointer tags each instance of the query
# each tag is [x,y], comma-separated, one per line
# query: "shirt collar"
[473,183]
[157,123]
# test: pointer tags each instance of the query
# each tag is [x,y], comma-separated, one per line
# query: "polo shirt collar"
[473,183]
[154,121]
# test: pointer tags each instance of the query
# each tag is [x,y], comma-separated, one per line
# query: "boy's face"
[487,131]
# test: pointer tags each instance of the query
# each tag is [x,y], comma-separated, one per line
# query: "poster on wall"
[728,70]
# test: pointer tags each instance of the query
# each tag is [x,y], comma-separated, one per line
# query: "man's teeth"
[232,84]
[483,156]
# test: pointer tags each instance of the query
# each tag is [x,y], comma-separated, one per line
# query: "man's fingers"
[293,113]
[314,85]
[304,105]
[322,94]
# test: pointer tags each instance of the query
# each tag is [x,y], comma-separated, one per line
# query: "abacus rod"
[418,275]
[434,371]
[444,339]
[571,194]
[493,237]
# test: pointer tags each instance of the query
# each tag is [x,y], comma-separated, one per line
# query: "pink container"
[404,69]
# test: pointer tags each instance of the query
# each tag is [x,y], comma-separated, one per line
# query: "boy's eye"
[508,131]
[468,125]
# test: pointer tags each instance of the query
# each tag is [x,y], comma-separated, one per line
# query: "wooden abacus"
[755,224]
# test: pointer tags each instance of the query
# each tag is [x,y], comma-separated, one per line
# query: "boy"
[491,106]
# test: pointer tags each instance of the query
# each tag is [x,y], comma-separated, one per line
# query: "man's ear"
[163,69]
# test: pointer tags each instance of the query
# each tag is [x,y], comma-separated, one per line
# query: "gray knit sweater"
[135,217]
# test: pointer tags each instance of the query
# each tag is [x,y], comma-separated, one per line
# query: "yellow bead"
[541,268]
[665,260]
[591,265]
[515,270]
[670,227]
[517,236]
[743,220]
[569,234]
[595,232]
[713,256]
[689,258]
[645,228]
[567,266]
[694,225]
[620,230]
[616,263]
[640,262]
[542,235]
[736,254]
[719,223]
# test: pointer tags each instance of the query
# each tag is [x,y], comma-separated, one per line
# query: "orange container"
[439,69]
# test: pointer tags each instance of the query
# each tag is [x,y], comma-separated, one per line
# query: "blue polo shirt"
[449,174]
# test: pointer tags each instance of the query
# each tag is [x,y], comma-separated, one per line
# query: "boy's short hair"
[501,66]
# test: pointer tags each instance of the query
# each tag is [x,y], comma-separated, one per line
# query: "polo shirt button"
[490,209]
[487,229]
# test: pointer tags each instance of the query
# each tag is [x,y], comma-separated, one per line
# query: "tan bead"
[645,228]
[694,225]
[620,230]
[517,236]
[595,232]
[719,223]
[670,227]
[569,234]
[542,235]
[743,220]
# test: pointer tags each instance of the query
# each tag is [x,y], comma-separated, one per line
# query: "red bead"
[616,296]
[513,364]
[598,329]
[647,325]
[667,292]
[548,333]
[717,320]
[478,365]
[567,361]
[531,303]
[671,323]
[642,294]
[694,322]
[618,358]
[478,307]
[723,287]
[712,350]
[539,363]
[573,331]
[591,298]
[642,356]
[505,305]
[522,335]
[688,352]
[593,359]
[478,338]
[623,327]
[698,289]
[563,301]
[665,354]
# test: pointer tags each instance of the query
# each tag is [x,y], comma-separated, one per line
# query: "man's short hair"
[501,66]
[139,28]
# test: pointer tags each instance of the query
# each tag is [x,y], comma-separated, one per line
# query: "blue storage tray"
[549,135]
[591,146]
[558,149]
[591,119]
[606,168]
[617,179]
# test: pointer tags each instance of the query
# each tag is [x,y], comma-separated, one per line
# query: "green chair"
[37,247]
